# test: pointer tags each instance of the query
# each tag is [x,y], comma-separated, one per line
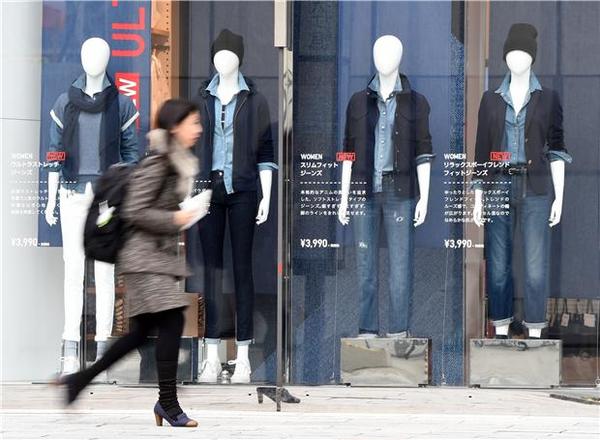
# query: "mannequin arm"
[346,178]
[557,169]
[423,175]
[266,180]
[53,179]
[478,208]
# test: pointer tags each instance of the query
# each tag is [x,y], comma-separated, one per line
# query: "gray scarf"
[182,159]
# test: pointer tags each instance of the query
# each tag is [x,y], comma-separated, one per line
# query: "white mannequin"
[95,54]
[227,65]
[519,63]
[387,55]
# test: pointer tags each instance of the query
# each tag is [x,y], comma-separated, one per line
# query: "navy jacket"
[252,138]
[543,133]
[410,136]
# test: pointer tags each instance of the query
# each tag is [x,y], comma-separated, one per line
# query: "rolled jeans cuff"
[535,325]
[243,343]
[502,322]
[212,340]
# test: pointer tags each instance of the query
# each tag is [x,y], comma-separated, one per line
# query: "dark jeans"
[239,209]
[528,213]
[396,214]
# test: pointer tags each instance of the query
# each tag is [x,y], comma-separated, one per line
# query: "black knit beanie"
[227,40]
[521,36]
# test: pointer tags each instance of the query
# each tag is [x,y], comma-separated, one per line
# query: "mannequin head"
[226,62]
[518,62]
[181,119]
[95,54]
[387,54]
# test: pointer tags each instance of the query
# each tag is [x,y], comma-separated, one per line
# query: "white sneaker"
[210,372]
[70,365]
[368,335]
[242,371]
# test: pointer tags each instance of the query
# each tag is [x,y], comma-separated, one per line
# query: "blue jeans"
[396,214]
[530,212]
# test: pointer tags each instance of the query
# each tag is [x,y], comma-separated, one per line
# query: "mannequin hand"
[420,212]
[343,217]
[478,214]
[263,211]
[555,213]
[51,219]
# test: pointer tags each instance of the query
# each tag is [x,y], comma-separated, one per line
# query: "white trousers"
[73,211]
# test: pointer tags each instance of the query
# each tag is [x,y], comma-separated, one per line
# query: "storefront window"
[440,218]
[376,274]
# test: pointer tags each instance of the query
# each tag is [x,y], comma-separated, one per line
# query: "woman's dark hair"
[173,111]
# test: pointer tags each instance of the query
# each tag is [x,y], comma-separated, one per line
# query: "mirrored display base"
[515,363]
[139,366]
[385,362]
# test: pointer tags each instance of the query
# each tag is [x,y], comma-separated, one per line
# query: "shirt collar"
[214,83]
[504,88]
[375,86]
[81,81]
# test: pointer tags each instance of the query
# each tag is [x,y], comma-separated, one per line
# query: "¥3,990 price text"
[458,244]
[24,242]
[314,243]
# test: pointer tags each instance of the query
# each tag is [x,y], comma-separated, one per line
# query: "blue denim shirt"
[89,132]
[384,149]
[222,159]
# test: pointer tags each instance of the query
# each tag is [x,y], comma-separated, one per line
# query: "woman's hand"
[183,217]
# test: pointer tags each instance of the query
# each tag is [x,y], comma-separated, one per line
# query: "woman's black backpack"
[105,230]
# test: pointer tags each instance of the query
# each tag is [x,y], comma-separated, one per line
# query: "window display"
[93,127]
[517,122]
[436,220]
[387,133]
[237,151]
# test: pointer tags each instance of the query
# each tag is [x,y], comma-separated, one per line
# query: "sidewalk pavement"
[232,412]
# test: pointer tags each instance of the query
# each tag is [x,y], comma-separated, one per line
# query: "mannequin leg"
[397,218]
[536,255]
[105,299]
[73,211]
[242,218]
[366,233]
[212,233]
[498,259]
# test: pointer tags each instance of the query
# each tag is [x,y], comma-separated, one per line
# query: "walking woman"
[149,259]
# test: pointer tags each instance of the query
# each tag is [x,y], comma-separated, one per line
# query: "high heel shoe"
[180,420]
[270,392]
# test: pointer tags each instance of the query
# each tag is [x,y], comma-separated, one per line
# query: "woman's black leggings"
[170,327]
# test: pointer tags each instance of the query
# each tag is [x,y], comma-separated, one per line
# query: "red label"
[56,156]
[341,156]
[129,85]
[500,156]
